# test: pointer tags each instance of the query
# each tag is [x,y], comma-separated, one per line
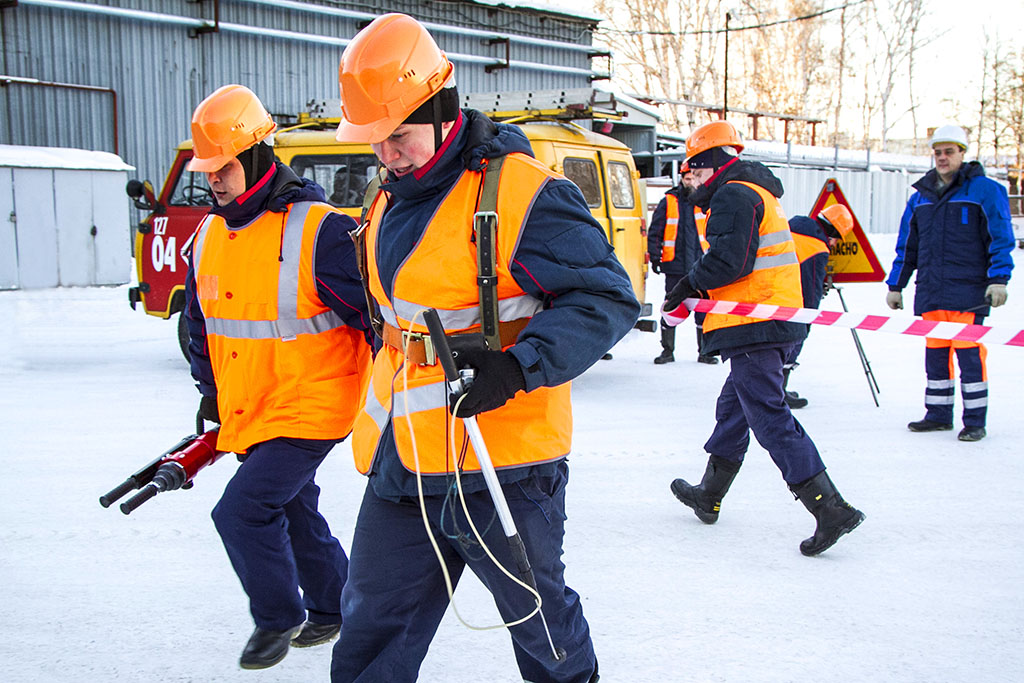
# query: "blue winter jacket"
[814,269]
[334,264]
[687,240]
[735,215]
[563,259]
[959,240]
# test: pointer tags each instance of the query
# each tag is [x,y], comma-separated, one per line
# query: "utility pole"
[725,89]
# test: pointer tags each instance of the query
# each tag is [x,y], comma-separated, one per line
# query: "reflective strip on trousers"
[975,394]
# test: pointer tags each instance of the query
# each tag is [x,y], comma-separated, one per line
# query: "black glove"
[682,290]
[498,377]
[656,266]
[208,409]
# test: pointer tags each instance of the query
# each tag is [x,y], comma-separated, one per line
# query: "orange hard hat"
[227,122]
[714,134]
[388,70]
[839,217]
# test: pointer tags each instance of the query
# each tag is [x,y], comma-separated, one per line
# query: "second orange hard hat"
[388,70]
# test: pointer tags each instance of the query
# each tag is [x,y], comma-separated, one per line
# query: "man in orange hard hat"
[751,258]
[814,238]
[279,346]
[557,301]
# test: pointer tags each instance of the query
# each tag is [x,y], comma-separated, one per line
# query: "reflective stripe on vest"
[532,427]
[668,244]
[700,219]
[285,364]
[775,278]
[513,308]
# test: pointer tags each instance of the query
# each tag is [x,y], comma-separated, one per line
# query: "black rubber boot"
[668,345]
[834,515]
[267,648]
[702,357]
[706,499]
[793,399]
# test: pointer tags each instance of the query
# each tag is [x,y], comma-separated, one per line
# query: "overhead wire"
[767,24]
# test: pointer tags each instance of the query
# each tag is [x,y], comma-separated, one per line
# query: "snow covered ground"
[929,588]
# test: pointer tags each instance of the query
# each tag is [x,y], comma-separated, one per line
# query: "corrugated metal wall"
[160,68]
[877,198]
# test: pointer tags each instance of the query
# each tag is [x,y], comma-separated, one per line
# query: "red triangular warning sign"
[853,259]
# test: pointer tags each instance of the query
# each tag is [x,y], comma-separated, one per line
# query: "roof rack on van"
[563,105]
[568,105]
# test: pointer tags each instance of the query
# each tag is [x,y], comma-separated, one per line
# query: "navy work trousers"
[941,387]
[276,538]
[752,400]
[395,595]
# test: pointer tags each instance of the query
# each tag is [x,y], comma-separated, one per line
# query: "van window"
[191,189]
[583,172]
[343,176]
[620,185]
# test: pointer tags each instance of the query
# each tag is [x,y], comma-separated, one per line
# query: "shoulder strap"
[485,227]
[359,238]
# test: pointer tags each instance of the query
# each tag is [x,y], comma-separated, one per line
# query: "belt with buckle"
[419,349]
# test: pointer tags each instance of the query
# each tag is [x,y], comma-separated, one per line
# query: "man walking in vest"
[751,258]
[674,246]
[562,301]
[956,234]
[280,350]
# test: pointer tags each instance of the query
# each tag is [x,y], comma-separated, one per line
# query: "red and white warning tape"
[880,323]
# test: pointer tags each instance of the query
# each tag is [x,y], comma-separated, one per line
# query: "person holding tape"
[751,258]
[280,350]
[463,195]
[956,233]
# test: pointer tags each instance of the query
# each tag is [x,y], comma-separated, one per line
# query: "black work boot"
[316,634]
[834,515]
[927,425]
[793,399]
[668,345]
[267,648]
[969,433]
[706,499]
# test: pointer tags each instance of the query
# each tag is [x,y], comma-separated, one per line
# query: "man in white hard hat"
[956,234]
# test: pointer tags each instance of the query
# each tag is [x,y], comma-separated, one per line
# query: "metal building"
[123,76]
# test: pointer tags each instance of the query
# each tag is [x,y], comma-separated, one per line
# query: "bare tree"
[891,37]
[785,64]
[665,49]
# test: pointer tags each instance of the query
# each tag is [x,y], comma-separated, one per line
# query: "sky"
[949,68]
[928,588]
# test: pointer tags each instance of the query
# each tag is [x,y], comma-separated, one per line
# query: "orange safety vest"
[668,242]
[285,364]
[700,219]
[776,275]
[441,273]
[807,246]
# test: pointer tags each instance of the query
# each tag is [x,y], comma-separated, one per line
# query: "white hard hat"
[950,133]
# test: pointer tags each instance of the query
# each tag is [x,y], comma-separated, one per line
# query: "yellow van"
[600,165]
